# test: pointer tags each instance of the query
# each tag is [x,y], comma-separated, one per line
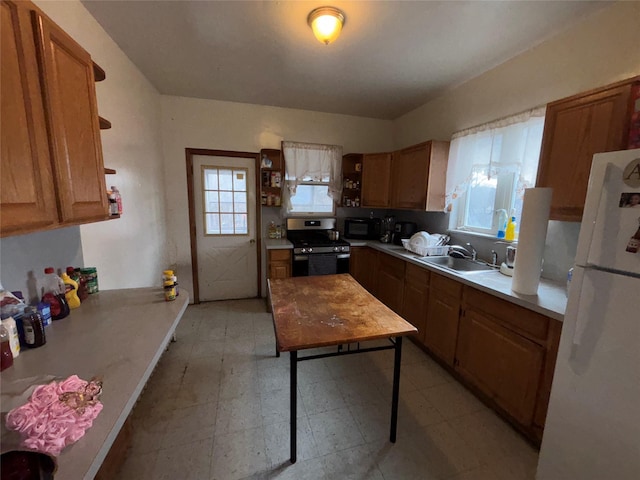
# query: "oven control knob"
[303,250]
[309,250]
[343,249]
[336,249]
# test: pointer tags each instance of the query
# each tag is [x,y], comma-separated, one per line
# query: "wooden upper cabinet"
[419,176]
[575,129]
[27,196]
[376,174]
[52,167]
[70,105]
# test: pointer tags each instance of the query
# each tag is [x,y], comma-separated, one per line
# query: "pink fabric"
[47,423]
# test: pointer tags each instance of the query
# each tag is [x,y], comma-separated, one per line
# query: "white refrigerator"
[592,430]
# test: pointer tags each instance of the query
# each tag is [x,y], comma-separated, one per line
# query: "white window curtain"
[313,162]
[508,145]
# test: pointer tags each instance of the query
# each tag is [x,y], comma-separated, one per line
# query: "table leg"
[396,389]
[294,403]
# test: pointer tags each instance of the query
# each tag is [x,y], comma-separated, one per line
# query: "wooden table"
[327,310]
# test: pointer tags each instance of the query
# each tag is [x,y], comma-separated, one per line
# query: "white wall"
[195,123]
[130,251]
[599,50]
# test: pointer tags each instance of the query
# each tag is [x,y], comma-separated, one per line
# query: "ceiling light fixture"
[326,23]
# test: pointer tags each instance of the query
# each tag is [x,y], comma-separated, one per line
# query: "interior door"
[225,218]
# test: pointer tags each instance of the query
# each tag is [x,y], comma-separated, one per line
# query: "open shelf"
[104,123]
[98,73]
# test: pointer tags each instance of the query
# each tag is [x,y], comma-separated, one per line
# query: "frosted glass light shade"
[326,23]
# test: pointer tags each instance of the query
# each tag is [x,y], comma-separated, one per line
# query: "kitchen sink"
[461,265]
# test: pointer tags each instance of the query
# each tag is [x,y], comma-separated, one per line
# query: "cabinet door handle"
[252,241]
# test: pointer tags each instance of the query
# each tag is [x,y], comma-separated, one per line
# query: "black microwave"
[362,228]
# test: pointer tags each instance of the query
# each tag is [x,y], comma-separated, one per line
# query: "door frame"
[189,153]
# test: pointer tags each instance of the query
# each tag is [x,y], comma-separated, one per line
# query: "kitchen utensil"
[334,235]
[388,224]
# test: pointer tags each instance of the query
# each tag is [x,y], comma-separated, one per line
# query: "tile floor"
[217,407]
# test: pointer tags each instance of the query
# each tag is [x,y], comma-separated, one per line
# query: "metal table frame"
[396,344]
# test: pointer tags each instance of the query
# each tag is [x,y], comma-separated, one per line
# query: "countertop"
[277,243]
[551,299]
[116,334]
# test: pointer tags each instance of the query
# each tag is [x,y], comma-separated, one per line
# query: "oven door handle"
[343,255]
[300,258]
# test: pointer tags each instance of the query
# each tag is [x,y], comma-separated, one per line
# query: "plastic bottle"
[54,294]
[113,203]
[569,278]
[502,223]
[510,233]
[75,275]
[32,327]
[70,291]
[116,192]
[44,309]
[170,275]
[14,339]
[6,357]
[169,290]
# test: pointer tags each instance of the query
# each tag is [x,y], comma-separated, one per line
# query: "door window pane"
[240,202]
[225,201]
[211,199]
[213,223]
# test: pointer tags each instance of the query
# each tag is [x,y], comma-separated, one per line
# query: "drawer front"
[416,275]
[446,285]
[530,324]
[275,255]
[392,266]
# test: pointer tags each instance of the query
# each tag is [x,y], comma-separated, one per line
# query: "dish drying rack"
[438,250]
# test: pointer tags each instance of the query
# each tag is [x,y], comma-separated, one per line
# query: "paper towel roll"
[533,233]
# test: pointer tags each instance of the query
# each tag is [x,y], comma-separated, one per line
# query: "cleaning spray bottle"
[510,233]
[502,222]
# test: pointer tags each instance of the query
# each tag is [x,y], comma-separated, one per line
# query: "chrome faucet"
[474,254]
[461,252]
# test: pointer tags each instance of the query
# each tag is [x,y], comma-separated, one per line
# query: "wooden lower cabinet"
[363,266]
[502,351]
[415,298]
[279,263]
[390,282]
[443,312]
[504,365]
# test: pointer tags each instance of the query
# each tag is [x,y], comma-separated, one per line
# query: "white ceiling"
[391,57]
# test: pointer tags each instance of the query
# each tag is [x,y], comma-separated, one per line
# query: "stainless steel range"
[314,253]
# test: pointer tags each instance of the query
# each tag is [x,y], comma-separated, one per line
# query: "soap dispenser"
[502,222]
[510,233]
